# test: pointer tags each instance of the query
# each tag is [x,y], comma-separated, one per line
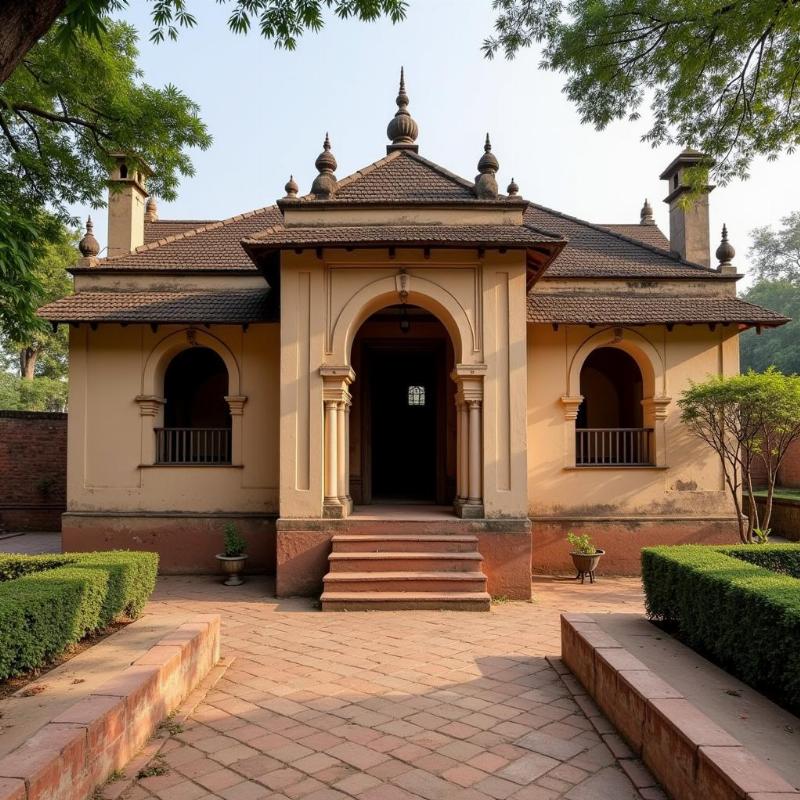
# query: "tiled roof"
[595,251]
[162,228]
[347,235]
[636,309]
[649,234]
[232,306]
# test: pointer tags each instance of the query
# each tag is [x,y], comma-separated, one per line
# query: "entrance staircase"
[405,570]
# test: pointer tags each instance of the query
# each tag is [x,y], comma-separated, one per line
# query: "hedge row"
[44,612]
[13,565]
[724,602]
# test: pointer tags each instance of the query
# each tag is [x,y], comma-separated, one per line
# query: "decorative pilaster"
[150,407]
[475,495]
[336,399]
[236,406]
[656,411]
[469,402]
[571,404]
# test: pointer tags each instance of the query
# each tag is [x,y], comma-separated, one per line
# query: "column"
[346,447]
[331,453]
[341,451]
[459,471]
[475,495]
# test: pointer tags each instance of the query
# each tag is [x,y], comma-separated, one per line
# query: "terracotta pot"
[232,566]
[586,564]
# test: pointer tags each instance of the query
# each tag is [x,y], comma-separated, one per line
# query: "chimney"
[126,206]
[688,217]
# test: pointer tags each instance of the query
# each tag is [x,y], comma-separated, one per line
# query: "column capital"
[236,403]
[331,374]
[659,406]
[474,402]
[468,371]
[571,404]
[149,404]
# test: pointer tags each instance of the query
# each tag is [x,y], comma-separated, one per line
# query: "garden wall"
[33,470]
[788,474]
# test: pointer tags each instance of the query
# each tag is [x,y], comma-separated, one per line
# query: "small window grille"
[416,395]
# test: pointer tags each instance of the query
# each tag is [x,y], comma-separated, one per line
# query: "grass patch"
[739,605]
[780,494]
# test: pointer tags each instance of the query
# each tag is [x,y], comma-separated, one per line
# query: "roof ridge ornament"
[725,252]
[151,209]
[402,129]
[89,246]
[646,214]
[513,189]
[325,184]
[291,187]
[485,181]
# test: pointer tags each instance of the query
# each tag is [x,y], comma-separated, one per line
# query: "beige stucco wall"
[109,437]
[690,482]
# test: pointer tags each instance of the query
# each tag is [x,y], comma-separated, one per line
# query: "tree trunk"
[22,23]
[27,363]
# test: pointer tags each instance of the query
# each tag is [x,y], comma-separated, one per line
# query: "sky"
[268,111]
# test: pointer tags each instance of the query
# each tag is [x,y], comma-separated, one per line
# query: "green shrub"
[44,612]
[13,565]
[724,602]
[235,544]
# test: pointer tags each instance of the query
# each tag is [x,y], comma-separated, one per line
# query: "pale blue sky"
[268,111]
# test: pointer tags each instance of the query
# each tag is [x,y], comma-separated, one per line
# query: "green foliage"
[721,77]
[761,535]
[725,603]
[582,544]
[235,544]
[43,612]
[39,394]
[773,347]
[746,418]
[775,254]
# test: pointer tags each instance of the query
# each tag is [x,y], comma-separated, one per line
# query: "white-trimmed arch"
[423,293]
[160,356]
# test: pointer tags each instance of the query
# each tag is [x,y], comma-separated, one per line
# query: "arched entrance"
[403,418]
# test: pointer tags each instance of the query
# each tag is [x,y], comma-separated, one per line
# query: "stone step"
[403,542]
[408,581]
[405,562]
[335,600]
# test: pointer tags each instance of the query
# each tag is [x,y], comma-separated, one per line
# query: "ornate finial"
[151,210]
[89,246]
[725,251]
[325,185]
[485,181]
[646,214]
[402,130]
[291,187]
[513,189]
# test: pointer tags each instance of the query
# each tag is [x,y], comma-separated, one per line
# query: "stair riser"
[399,564]
[400,605]
[402,585]
[402,546]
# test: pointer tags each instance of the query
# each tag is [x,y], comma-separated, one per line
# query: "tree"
[723,77]
[37,350]
[23,22]
[773,347]
[41,394]
[744,418]
[62,114]
[775,255]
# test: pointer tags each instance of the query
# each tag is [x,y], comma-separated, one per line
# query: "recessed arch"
[423,293]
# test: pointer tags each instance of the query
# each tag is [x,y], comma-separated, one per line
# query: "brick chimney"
[688,217]
[126,206]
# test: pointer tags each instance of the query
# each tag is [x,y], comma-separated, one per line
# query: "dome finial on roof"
[151,209]
[291,187]
[513,189]
[89,246]
[485,181]
[646,214]
[325,185]
[725,251]
[402,129]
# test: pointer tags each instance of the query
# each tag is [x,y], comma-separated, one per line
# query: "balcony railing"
[613,447]
[193,445]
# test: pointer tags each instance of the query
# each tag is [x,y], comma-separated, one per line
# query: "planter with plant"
[585,556]
[234,556]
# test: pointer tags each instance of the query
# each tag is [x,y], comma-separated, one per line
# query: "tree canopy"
[723,77]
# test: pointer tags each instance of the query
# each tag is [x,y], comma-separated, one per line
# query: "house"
[404,382]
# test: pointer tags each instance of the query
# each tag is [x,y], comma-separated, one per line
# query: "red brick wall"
[33,470]
[788,474]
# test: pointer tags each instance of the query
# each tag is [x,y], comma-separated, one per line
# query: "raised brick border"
[75,752]
[691,756]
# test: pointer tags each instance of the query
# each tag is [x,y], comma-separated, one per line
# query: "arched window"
[197,420]
[610,426]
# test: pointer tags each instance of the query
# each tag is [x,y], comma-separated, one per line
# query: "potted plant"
[585,555]
[232,560]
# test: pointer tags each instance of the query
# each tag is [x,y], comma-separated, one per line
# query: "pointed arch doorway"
[402,428]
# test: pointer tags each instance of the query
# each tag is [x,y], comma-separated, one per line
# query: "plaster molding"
[236,404]
[571,404]
[149,404]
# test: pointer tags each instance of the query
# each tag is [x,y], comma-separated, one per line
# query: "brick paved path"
[392,705]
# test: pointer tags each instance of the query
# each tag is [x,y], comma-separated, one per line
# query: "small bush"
[52,605]
[235,544]
[739,605]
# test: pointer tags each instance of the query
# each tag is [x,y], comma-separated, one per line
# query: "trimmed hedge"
[44,612]
[724,602]
[14,566]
